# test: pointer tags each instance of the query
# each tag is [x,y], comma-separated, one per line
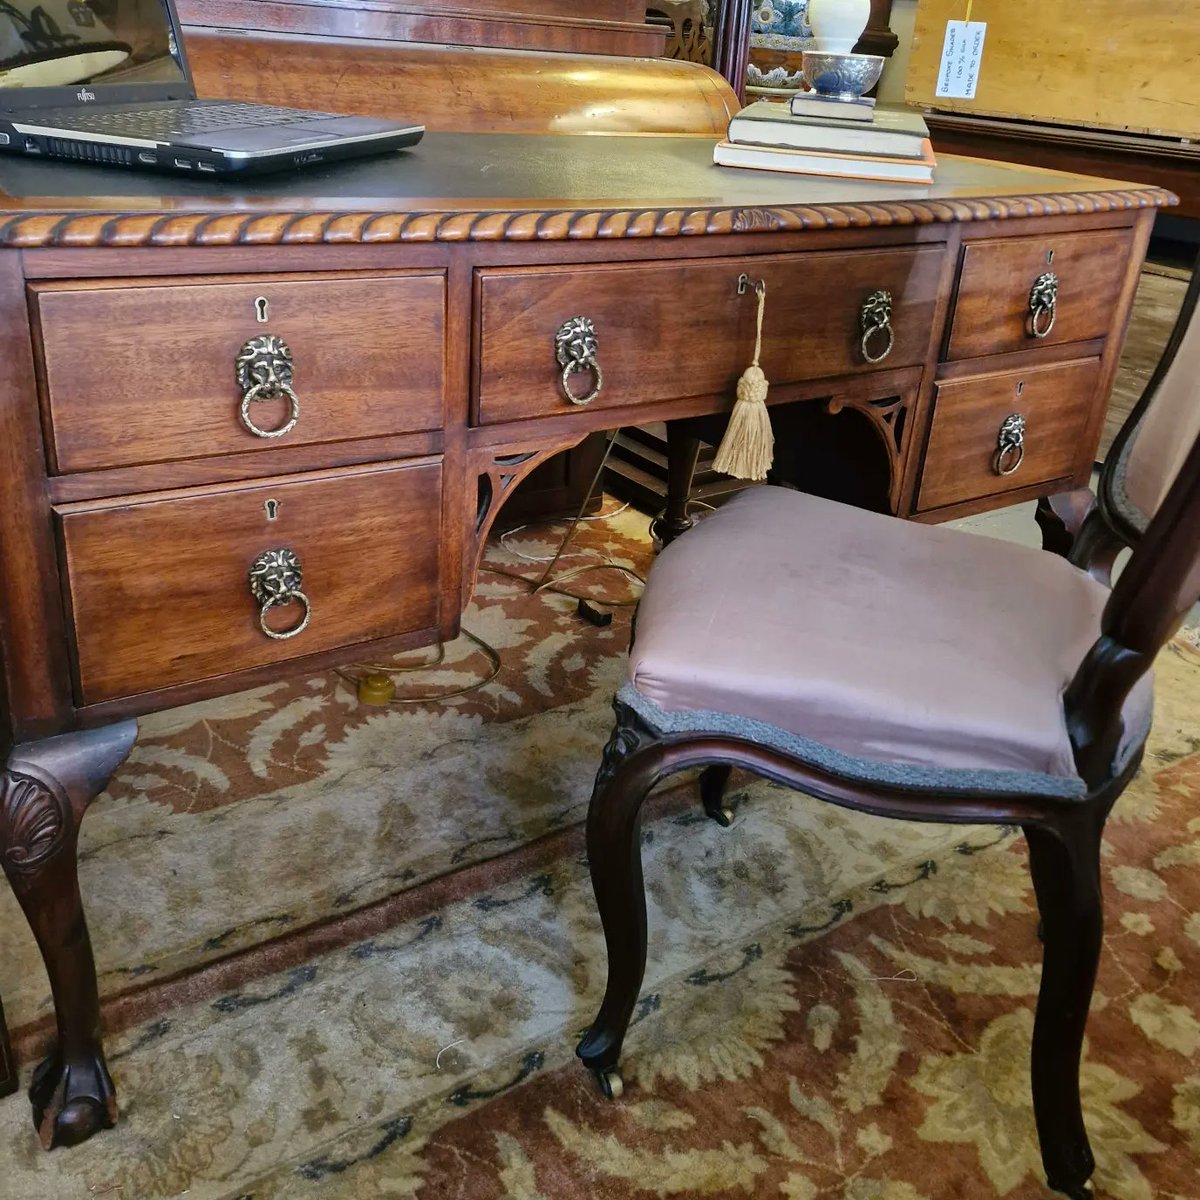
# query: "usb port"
[209,167]
[148,157]
[184,163]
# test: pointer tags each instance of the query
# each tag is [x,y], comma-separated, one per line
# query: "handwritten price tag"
[958,74]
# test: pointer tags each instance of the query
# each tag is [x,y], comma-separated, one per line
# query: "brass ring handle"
[260,392]
[875,316]
[1010,445]
[582,365]
[275,579]
[866,338]
[575,348]
[282,635]
[265,371]
[1043,303]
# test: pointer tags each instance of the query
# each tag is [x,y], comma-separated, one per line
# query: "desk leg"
[1060,518]
[683,449]
[44,792]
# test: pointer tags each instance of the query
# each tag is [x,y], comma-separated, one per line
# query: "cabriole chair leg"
[1065,865]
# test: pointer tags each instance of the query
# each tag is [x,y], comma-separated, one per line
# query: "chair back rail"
[1158,431]
[1161,581]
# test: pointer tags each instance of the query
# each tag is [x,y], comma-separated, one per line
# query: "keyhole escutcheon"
[262,310]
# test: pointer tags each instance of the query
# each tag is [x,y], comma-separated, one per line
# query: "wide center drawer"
[665,331]
[140,371]
[160,585]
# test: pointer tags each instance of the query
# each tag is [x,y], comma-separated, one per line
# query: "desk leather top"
[457,187]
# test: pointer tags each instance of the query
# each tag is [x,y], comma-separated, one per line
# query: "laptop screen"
[86,44]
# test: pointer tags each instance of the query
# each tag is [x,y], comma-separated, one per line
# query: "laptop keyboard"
[162,123]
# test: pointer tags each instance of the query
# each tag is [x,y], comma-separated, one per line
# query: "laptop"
[107,81]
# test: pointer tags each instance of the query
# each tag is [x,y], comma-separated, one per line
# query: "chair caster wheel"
[611,1083]
[1081,1192]
[722,816]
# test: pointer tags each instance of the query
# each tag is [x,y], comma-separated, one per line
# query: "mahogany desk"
[155,545]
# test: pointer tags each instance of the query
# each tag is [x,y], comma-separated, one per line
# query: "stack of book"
[855,139]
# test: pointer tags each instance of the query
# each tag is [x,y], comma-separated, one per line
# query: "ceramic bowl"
[847,76]
[776,79]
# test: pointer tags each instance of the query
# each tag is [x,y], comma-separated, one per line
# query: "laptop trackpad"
[265,137]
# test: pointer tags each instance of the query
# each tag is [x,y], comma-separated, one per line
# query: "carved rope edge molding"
[34,230]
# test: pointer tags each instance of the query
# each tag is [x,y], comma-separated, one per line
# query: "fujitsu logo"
[85,95]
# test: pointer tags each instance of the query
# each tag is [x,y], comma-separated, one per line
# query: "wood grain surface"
[1119,64]
[157,383]
[992,312]
[683,329]
[158,584]
[537,28]
[967,415]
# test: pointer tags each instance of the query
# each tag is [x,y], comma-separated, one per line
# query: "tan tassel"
[748,447]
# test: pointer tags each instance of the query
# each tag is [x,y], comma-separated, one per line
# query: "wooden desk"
[420,297]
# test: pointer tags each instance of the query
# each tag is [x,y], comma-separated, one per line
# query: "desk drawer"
[160,585]
[143,371]
[1055,405]
[665,331]
[994,312]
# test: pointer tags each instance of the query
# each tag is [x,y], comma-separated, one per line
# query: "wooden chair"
[917,672]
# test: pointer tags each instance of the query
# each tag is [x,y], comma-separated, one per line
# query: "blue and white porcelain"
[780,25]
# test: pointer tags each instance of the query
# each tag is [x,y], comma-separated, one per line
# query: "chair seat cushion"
[926,651]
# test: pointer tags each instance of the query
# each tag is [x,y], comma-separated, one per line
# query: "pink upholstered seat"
[910,646]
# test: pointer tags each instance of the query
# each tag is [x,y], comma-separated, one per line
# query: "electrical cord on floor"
[549,582]
[376,686]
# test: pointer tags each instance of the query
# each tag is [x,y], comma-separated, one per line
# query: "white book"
[845,166]
[894,133]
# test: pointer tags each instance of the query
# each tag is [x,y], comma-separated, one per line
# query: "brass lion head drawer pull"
[265,372]
[575,349]
[1010,445]
[1043,304]
[875,318]
[275,580]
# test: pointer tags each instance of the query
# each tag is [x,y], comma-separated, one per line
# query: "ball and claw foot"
[71,1101]
[611,1083]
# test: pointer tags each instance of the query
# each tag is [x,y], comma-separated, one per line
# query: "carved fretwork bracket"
[889,418]
[498,470]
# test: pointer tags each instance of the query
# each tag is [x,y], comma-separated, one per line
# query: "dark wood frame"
[1063,836]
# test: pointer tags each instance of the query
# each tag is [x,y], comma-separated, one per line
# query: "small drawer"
[664,331]
[141,371]
[1067,283]
[160,585]
[1040,415]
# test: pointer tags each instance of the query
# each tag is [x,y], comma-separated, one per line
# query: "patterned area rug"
[390,948]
